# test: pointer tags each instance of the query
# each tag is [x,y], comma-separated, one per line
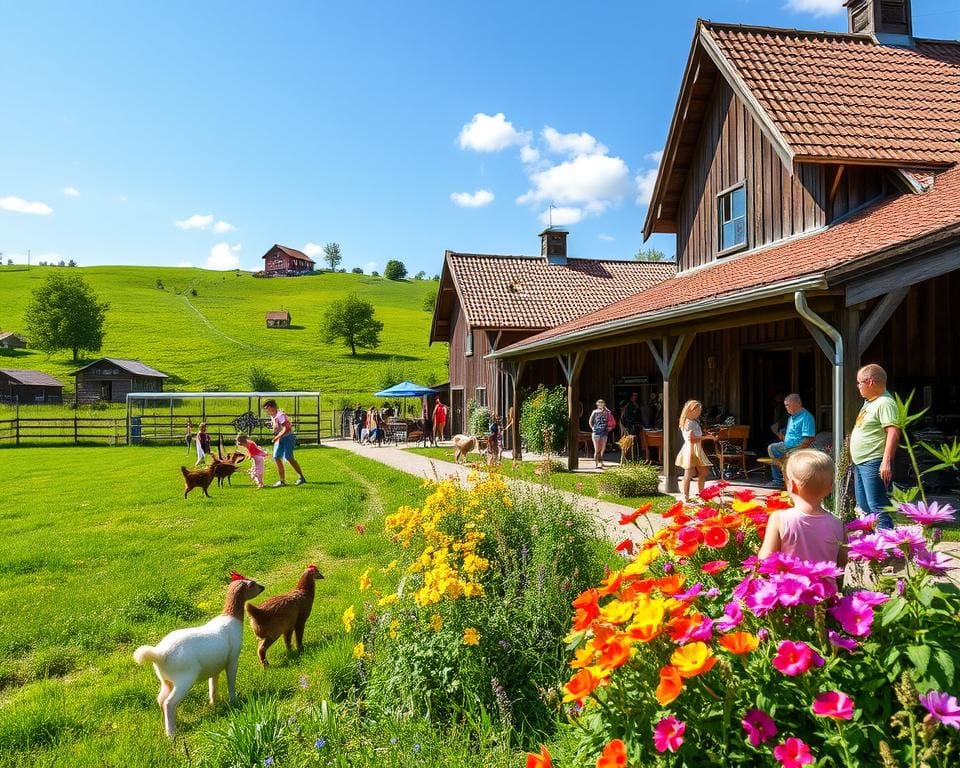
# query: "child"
[807,530]
[203,444]
[691,459]
[188,436]
[493,441]
[256,454]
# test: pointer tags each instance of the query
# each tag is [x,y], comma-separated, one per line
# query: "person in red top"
[439,420]
[256,454]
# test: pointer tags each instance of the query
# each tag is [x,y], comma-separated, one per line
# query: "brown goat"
[199,478]
[284,614]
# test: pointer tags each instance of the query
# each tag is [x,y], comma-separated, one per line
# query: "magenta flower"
[942,707]
[839,641]
[870,547]
[865,523]
[904,539]
[732,617]
[759,727]
[794,659]
[792,589]
[793,753]
[763,598]
[935,562]
[928,514]
[855,612]
[668,734]
[833,704]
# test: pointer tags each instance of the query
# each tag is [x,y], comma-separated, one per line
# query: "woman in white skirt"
[692,458]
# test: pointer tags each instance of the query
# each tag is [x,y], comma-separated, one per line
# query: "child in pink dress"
[256,454]
[807,530]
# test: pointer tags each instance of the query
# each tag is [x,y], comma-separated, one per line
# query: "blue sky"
[201,133]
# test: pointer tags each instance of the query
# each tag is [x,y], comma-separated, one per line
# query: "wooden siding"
[732,149]
[858,185]
[89,388]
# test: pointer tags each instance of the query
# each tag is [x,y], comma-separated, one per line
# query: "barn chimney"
[553,245]
[888,20]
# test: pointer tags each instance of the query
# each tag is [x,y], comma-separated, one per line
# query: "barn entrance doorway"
[456,412]
[768,376]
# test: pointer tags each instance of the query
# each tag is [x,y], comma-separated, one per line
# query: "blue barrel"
[136,430]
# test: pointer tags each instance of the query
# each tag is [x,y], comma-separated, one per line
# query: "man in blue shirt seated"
[799,433]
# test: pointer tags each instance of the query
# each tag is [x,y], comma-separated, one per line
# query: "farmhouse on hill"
[19,385]
[281,261]
[486,302]
[11,340]
[812,182]
[110,379]
[279,319]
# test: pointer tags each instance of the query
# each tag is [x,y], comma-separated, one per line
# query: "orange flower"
[683,625]
[602,634]
[539,761]
[615,654]
[693,659]
[670,686]
[625,546]
[631,517]
[715,536]
[739,642]
[582,620]
[587,610]
[614,755]
[611,584]
[686,542]
[670,585]
[580,686]
[674,510]
[583,657]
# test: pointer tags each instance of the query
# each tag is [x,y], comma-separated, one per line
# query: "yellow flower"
[359,651]
[436,622]
[390,566]
[349,616]
[617,612]
[365,582]
[471,636]
[394,626]
[386,600]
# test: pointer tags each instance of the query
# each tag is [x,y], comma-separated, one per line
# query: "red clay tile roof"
[872,230]
[848,97]
[527,292]
[282,315]
[31,378]
[291,252]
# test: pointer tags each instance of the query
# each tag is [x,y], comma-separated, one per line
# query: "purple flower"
[865,523]
[942,707]
[690,593]
[870,547]
[901,585]
[668,567]
[855,612]
[732,617]
[935,562]
[762,634]
[759,727]
[928,515]
[905,539]
[763,598]
[712,592]
[739,537]
[839,641]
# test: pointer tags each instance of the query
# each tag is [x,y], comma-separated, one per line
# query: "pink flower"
[865,523]
[794,659]
[855,612]
[870,547]
[904,539]
[668,734]
[833,704]
[942,707]
[763,598]
[935,562]
[839,641]
[928,515]
[714,566]
[793,753]
[759,727]
[732,617]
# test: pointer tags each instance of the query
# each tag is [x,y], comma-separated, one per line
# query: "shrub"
[258,734]
[357,271]
[630,480]
[260,380]
[429,302]
[391,372]
[479,420]
[545,409]
[395,270]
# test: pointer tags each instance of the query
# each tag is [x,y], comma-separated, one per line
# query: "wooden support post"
[572,365]
[669,357]
[515,428]
[849,327]
[879,315]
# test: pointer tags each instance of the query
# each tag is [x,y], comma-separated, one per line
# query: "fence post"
[76,439]
[17,427]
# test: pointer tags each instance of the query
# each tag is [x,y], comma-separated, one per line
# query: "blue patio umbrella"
[405,389]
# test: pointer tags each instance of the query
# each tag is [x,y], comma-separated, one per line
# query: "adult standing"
[798,433]
[630,415]
[439,420]
[359,416]
[284,441]
[873,442]
[599,421]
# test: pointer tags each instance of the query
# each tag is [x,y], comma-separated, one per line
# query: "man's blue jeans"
[872,493]
[777,451]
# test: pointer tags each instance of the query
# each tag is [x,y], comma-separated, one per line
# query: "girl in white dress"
[692,458]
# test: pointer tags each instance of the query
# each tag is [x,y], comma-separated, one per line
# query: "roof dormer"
[889,21]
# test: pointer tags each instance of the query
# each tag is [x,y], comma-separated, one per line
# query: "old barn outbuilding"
[110,379]
[11,340]
[282,261]
[278,319]
[23,386]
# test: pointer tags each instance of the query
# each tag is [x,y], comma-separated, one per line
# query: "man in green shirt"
[873,442]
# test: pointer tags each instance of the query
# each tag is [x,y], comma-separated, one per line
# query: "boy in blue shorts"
[284,441]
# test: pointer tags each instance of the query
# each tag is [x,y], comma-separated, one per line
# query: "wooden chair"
[731,447]
[585,439]
[651,439]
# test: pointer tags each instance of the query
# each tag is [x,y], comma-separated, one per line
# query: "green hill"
[210,340]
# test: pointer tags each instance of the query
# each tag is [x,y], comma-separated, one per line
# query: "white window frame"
[468,344]
[723,248]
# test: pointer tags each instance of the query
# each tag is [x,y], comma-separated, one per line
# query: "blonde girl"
[691,458]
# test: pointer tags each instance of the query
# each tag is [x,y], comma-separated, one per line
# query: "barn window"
[732,217]
[468,344]
[481,396]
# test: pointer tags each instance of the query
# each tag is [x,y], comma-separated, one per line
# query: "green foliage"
[65,313]
[392,372]
[650,254]
[356,271]
[395,270]
[479,420]
[421,275]
[630,480]
[332,255]
[256,732]
[429,302]
[160,284]
[351,320]
[260,380]
[545,409]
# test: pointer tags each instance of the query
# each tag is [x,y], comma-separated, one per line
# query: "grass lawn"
[584,483]
[102,554]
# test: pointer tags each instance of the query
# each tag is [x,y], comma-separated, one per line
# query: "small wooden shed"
[11,340]
[19,385]
[280,319]
[111,379]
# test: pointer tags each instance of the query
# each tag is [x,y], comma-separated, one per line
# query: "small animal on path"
[186,655]
[199,478]
[284,614]
[463,445]
[227,466]
[626,446]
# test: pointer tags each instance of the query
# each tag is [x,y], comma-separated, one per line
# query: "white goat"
[185,655]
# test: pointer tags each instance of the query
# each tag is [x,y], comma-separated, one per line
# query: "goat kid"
[185,655]
[462,446]
[284,614]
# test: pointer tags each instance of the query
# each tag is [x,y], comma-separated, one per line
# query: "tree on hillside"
[65,313]
[429,302]
[649,254]
[332,255]
[395,270]
[351,320]
[357,271]
[421,275]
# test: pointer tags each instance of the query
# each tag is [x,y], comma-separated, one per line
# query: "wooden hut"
[282,261]
[11,340]
[279,319]
[19,385]
[110,379]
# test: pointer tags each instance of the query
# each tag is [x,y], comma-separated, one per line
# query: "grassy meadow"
[209,341]
[103,554]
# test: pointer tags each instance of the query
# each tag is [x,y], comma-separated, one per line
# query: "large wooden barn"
[282,261]
[486,302]
[23,386]
[811,180]
[11,340]
[111,379]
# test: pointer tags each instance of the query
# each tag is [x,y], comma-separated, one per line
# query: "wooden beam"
[904,274]
[572,372]
[879,316]
[669,357]
[825,344]
[835,184]
[849,327]
[515,428]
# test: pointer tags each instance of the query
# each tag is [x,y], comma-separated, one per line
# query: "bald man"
[799,433]
[873,442]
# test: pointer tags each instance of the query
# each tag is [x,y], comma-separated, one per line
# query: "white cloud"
[646,180]
[70,192]
[572,143]
[605,237]
[185,264]
[477,199]
[654,157]
[591,181]
[312,250]
[560,216]
[529,154]
[197,221]
[224,256]
[19,205]
[491,133]
[816,7]
[222,226]
[370,266]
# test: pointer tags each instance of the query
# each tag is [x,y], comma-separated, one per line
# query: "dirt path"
[214,328]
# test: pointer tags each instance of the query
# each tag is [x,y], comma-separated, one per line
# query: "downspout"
[803,309]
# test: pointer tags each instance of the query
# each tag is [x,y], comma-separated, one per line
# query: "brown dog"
[463,445]
[200,478]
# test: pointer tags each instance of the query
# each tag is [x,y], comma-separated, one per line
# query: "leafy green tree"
[421,275]
[65,313]
[357,270]
[429,302]
[395,270]
[649,254]
[351,320]
[332,255]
